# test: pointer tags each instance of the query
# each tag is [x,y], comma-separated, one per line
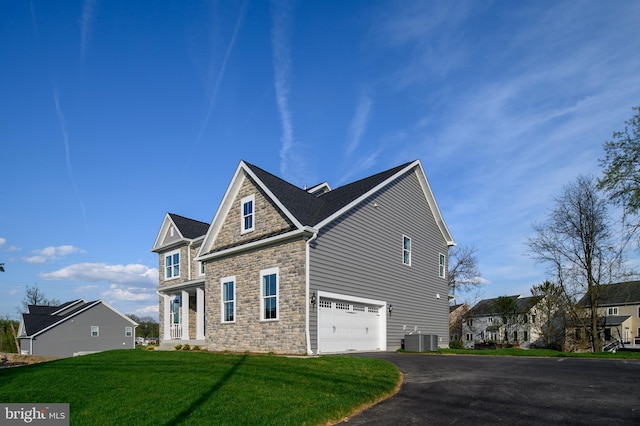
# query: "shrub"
[196,348]
[456,344]
[186,347]
[178,347]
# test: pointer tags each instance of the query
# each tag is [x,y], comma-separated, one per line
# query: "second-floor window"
[128,331]
[441,266]
[612,311]
[406,250]
[172,265]
[247,213]
[95,331]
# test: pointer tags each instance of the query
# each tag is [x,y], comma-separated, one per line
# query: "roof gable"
[312,210]
[41,318]
[176,229]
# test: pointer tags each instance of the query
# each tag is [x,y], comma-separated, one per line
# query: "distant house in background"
[618,312]
[74,328]
[484,325]
[457,314]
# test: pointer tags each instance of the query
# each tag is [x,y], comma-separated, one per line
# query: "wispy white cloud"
[292,165]
[220,74]
[67,148]
[88,10]
[5,247]
[359,123]
[128,294]
[132,274]
[52,253]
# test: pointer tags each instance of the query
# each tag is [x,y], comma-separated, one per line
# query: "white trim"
[264,273]
[404,236]
[200,314]
[184,313]
[224,280]
[308,291]
[442,274]
[245,200]
[178,286]
[166,329]
[97,330]
[256,244]
[164,264]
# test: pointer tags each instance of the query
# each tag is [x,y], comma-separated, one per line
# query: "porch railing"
[176,331]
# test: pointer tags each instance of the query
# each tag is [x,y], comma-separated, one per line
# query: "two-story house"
[485,324]
[284,269]
[618,313]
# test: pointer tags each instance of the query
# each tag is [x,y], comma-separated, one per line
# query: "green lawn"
[170,388]
[540,352]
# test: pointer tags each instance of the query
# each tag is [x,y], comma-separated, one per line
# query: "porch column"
[166,315]
[200,313]
[185,315]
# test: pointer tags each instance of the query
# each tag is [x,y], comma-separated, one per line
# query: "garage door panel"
[345,326]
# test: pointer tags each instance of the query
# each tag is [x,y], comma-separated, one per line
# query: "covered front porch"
[182,315]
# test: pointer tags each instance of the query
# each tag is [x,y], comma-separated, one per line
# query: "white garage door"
[348,326]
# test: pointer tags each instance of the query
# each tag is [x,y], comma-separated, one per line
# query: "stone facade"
[248,332]
[268,219]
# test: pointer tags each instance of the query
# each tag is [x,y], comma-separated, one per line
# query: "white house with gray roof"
[284,269]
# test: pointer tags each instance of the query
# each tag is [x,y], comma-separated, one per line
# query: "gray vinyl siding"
[74,334]
[360,254]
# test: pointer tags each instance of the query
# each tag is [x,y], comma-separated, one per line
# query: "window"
[247,213]
[269,294]
[469,337]
[95,331]
[525,337]
[201,268]
[490,320]
[172,265]
[470,322]
[128,331]
[441,266]
[533,319]
[515,336]
[612,311]
[228,288]
[406,250]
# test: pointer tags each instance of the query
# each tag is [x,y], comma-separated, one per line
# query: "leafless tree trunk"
[463,273]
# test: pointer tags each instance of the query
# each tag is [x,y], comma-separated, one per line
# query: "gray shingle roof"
[625,293]
[41,317]
[189,228]
[486,307]
[309,209]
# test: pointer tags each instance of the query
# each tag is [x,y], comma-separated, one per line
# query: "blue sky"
[116,112]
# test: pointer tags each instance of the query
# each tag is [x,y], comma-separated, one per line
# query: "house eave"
[296,233]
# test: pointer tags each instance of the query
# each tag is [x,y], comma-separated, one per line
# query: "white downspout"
[307,295]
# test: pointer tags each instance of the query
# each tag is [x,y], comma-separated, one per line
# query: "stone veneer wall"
[248,332]
[268,220]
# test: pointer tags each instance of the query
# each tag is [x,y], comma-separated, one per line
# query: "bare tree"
[463,274]
[578,245]
[34,296]
[621,178]
[550,320]
[507,310]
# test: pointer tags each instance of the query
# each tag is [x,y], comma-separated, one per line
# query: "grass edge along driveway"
[170,388]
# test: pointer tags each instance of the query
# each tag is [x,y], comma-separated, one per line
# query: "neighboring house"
[74,328]
[618,312]
[457,315]
[288,270]
[485,325]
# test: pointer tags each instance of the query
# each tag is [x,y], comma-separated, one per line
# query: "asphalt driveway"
[487,390]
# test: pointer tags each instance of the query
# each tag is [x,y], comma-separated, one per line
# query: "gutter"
[307,283]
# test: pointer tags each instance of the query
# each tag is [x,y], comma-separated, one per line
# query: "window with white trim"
[201,268]
[406,250]
[228,289]
[247,213]
[612,311]
[441,266]
[172,265]
[95,331]
[269,294]
[128,331]
[469,337]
